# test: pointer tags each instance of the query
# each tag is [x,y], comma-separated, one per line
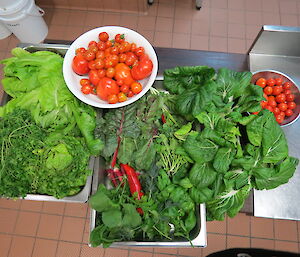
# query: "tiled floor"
[49,229]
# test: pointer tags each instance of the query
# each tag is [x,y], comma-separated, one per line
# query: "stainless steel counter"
[277,48]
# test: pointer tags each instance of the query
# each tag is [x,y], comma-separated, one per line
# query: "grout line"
[13,235]
[58,240]
[37,229]
[83,232]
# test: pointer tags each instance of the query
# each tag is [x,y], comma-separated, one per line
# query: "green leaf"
[202,175]
[210,120]
[202,150]
[131,217]
[223,159]
[185,183]
[178,79]
[59,157]
[274,144]
[183,131]
[201,195]
[145,155]
[255,129]
[112,218]
[126,150]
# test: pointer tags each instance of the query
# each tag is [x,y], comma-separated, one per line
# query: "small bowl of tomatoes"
[282,96]
[110,67]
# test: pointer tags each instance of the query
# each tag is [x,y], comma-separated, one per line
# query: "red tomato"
[130,94]
[268,90]
[143,69]
[122,97]
[127,46]
[110,72]
[125,89]
[270,98]
[87,89]
[120,82]
[289,112]
[92,65]
[279,118]
[277,90]
[100,54]
[114,50]
[263,104]
[290,97]
[80,50]
[112,99]
[93,49]
[272,103]
[101,46]
[108,44]
[270,108]
[122,57]
[276,110]
[130,58]
[278,81]
[107,87]
[94,77]
[291,105]
[271,82]
[287,91]
[92,43]
[136,87]
[287,85]
[261,82]
[80,65]
[282,107]
[280,98]
[103,36]
[101,73]
[139,51]
[99,64]
[123,73]
[84,82]
[89,55]
[282,113]
[119,38]
[133,47]
[111,61]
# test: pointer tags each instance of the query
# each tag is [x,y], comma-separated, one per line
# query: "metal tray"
[198,234]
[84,194]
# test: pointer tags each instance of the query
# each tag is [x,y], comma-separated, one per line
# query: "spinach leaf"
[201,195]
[223,159]
[178,79]
[255,129]
[202,175]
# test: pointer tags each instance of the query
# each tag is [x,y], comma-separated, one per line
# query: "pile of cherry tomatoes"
[279,98]
[114,68]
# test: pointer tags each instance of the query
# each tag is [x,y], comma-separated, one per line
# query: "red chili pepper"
[133,180]
[163,119]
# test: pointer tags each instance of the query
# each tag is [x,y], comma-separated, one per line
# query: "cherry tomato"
[99,64]
[263,104]
[107,87]
[268,90]
[114,50]
[136,87]
[276,110]
[130,58]
[270,108]
[112,99]
[121,49]
[122,97]
[266,97]
[80,65]
[289,112]
[279,118]
[271,82]
[122,57]
[89,55]
[130,94]
[93,49]
[277,90]
[100,54]
[127,46]
[282,107]
[92,43]
[270,98]
[101,45]
[108,44]
[290,97]
[84,82]
[119,38]
[87,89]
[125,89]
[120,82]
[80,50]
[139,51]
[133,47]
[278,81]
[272,103]
[280,98]
[282,113]
[111,61]
[261,82]
[101,73]
[291,105]
[123,72]
[143,69]
[110,72]
[94,77]
[92,65]
[103,36]
[287,85]
[287,91]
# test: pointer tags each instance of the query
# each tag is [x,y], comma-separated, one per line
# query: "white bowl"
[73,80]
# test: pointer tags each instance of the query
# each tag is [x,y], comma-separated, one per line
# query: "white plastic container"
[24,19]
[4,31]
